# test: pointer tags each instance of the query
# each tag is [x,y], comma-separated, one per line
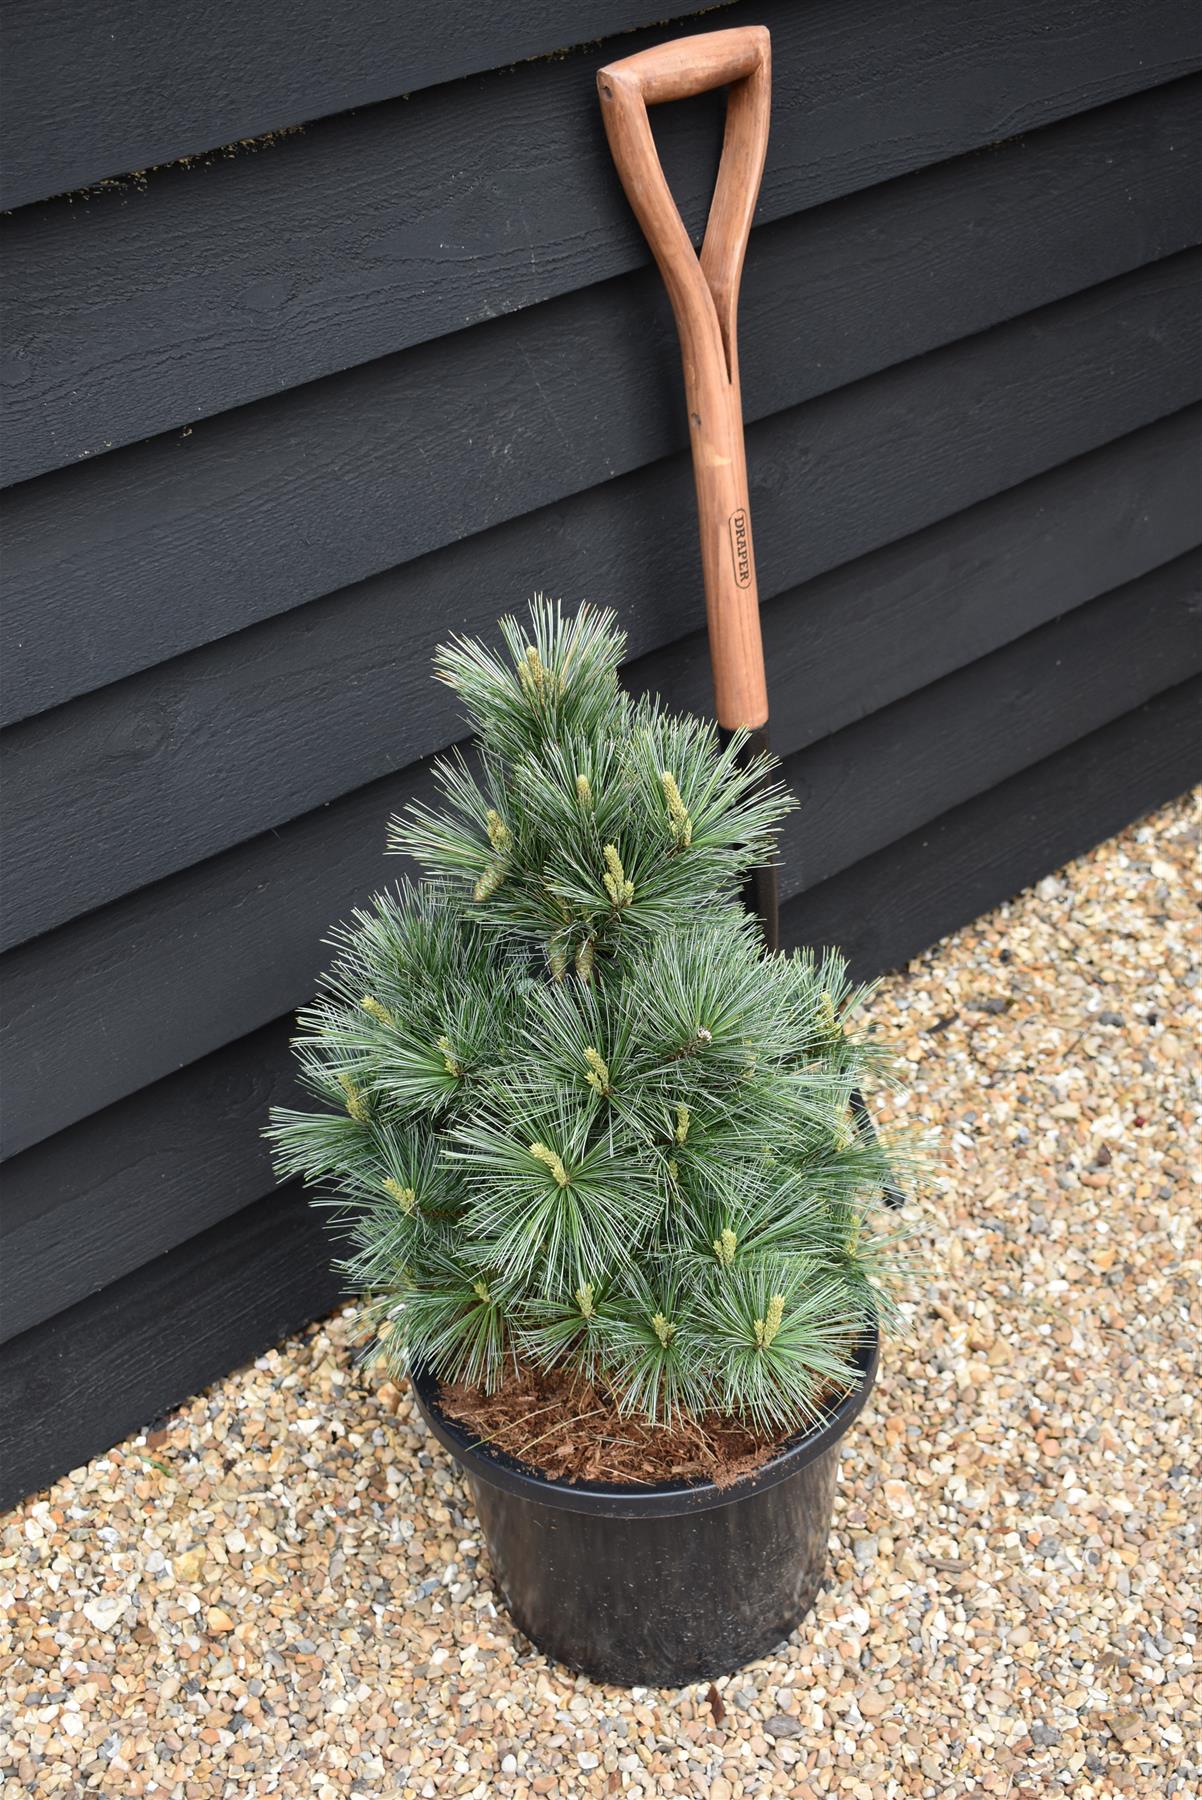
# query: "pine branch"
[569,1110]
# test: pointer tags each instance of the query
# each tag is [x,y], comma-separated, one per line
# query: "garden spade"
[704,292]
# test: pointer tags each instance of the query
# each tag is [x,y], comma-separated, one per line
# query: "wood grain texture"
[891,623]
[117,1190]
[137,309]
[130,1182]
[117,569]
[125,1356]
[105,1367]
[90,92]
[100,586]
[891,906]
[889,774]
[181,762]
[195,961]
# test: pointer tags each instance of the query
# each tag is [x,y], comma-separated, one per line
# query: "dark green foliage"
[574,1113]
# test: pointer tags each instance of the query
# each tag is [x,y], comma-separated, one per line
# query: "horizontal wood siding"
[1018,399]
[159,83]
[929,883]
[175,541]
[280,417]
[139,309]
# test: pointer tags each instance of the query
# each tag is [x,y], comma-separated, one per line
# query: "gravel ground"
[283,1591]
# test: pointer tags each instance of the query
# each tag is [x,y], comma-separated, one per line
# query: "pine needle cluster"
[572,1113]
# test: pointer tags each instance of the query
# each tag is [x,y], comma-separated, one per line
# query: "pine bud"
[725,1245]
[767,1327]
[543,1154]
[557,956]
[480,1289]
[827,1017]
[532,674]
[448,1057]
[372,1006]
[598,1071]
[620,891]
[356,1105]
[499,834]
[539,683]
[584,959]
[681,823]
[489,882]
[584,792]
[663,1330]
[584,1300]
[682,1123]
[405,1197]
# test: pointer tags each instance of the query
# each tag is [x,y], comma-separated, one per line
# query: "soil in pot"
[568,1429]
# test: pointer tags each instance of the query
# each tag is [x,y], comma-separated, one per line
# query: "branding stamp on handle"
[740,547]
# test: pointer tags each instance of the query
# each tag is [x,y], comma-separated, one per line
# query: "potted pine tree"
[603,1165]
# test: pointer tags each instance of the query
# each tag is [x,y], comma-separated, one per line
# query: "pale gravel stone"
[283,1591]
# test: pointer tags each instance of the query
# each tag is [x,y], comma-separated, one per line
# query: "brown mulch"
[569,1429]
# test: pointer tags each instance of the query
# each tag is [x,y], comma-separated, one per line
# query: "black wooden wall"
[282,413]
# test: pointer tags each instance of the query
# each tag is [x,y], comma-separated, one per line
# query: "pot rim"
[631,1500]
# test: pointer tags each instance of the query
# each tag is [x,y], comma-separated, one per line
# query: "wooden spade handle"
[705,294]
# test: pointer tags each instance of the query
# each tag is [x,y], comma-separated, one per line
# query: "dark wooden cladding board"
[129,1182]
[872,631]
[863,787]
[152,774]
[175,971]
[120,1358]
[140,554]
[148,83]
[106,1366]
[130,312]
[86,1206]
[170,82]
[889,907]
[879,278]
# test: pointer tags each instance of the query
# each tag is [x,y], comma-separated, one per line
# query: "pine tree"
[572,1113]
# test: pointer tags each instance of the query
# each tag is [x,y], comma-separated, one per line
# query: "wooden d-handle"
[692,65]
[704,293]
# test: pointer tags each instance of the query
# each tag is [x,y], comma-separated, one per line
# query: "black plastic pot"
[658,1586]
